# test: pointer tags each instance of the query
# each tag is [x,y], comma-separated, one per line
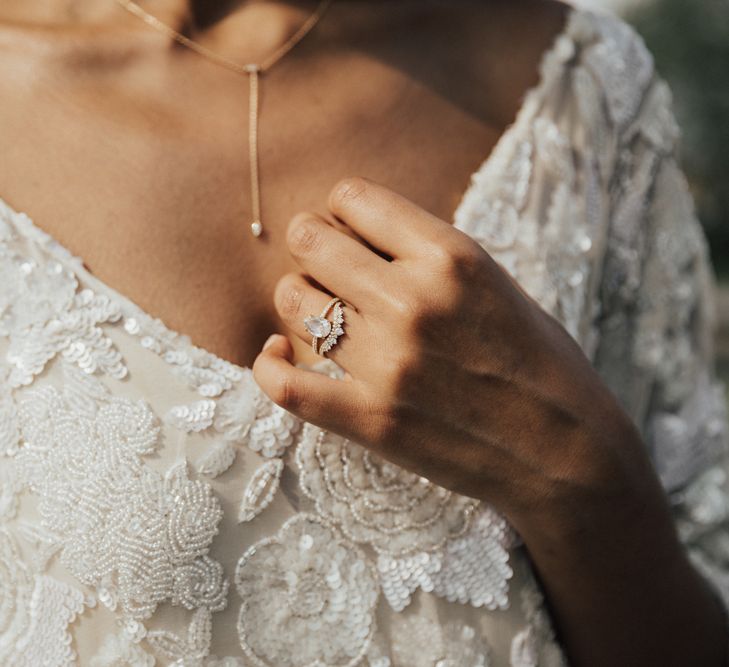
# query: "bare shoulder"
[527,20]
[492,50]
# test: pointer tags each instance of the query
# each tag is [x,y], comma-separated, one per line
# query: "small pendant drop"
[256,228]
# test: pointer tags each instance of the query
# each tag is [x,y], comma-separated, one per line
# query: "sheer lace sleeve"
[656,330]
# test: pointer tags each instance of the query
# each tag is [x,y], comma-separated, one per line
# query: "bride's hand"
[456,374]
[453,371]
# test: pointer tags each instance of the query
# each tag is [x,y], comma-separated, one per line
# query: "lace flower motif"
[472,569]
[200,583]
[43,314]
[246,416]
[425,536]
[35,612]
[375,502]
[309,598]
[236,410]
[82,457]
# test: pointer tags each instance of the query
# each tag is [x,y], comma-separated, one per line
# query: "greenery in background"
[690,42]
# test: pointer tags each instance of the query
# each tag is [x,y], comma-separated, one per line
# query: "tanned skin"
[132,152]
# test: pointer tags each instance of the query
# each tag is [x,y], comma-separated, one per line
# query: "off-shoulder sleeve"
[656,330]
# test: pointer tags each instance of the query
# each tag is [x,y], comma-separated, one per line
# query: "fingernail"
[270,341]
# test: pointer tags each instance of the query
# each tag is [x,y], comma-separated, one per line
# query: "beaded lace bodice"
[156,508]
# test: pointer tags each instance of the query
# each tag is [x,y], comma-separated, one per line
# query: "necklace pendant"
[256,228]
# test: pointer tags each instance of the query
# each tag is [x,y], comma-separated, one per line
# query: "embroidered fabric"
[308,598]
[157,509]
[35,613]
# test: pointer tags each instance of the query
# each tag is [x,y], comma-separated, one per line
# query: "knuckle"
[416,314]
[433,315]
[284,393]
[404,305]
[304,235]
[456,275]
[469,257]
[460,261]
[406,308]
[439,255]
[406,367]
[347,190]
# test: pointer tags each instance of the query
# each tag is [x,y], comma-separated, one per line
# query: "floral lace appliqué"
[82,456]
[260,490]
[308,596]
[243,416]
[471,569]
[376,502]
[425,537]
[35,613]
[43,314]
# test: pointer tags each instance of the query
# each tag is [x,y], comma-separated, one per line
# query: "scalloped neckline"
[181,340]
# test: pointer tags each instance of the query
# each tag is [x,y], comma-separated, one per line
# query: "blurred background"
[690,42]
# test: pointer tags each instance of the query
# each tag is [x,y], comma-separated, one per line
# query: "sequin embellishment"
[308,598]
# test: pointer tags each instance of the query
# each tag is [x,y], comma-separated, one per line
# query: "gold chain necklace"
[252,70]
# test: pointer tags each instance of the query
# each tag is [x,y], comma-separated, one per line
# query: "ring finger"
[296,300]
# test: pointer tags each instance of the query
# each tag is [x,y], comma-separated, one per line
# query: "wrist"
[604,482]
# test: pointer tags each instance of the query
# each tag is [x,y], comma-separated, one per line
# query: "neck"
[244,30]
[207,13]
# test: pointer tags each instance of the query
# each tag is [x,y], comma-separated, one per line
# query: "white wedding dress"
[157,509]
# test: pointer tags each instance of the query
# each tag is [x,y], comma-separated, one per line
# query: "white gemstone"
[256,228]
[319,327]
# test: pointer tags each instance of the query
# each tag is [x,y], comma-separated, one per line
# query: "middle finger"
[341,264]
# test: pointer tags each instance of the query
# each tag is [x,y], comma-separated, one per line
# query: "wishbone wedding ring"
[324,330]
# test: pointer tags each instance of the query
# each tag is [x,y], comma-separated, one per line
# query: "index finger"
[388,221]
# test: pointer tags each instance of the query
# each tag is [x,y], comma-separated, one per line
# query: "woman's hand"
[455,373]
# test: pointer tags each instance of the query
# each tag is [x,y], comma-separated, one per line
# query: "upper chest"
[154,194]
[145,174]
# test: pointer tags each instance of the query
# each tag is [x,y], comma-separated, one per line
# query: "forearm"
[619,583]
